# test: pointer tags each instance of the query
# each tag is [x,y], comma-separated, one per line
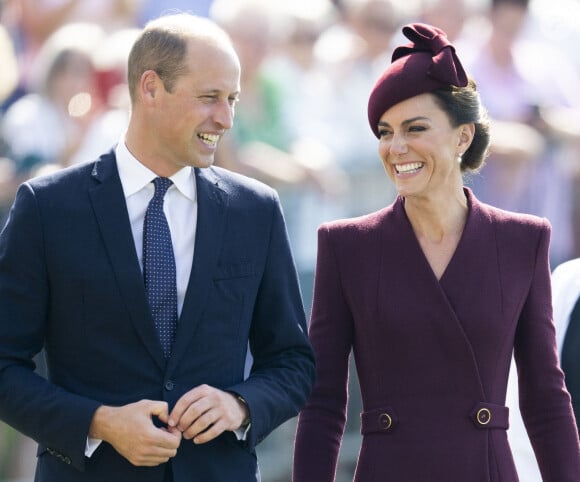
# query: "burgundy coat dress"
[433,356]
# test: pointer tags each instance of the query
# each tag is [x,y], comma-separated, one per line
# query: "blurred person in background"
[9,78]
[354,51]
[10,86]
[110,62]
[32,22]
[307,106]
[260,119]
[46,126]
[149,9]
[433,294]
[12,444]
[275,137]
[448,15]
[526,84]
[556,21]
[463,20]
[9,75]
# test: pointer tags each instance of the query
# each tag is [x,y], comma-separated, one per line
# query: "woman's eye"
[417,129]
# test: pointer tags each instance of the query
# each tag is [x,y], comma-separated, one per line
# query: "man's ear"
[149,85]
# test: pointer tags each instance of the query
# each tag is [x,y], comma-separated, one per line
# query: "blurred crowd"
[301,126]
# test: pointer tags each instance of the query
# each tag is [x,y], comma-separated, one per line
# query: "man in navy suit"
[115,406]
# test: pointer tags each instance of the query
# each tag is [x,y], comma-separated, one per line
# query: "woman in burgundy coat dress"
[433,294]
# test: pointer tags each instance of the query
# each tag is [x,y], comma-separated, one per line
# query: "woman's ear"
[466,134]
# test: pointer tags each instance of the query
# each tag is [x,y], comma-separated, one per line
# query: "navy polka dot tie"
[159,267]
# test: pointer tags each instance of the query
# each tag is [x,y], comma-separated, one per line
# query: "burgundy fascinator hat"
[427,63]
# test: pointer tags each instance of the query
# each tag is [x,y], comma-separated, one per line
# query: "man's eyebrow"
[218,91]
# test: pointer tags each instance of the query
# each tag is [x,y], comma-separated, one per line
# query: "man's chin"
[202,162]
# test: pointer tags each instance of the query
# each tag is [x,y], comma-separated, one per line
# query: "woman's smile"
[409,167]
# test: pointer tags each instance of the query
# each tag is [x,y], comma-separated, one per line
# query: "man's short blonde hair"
[162,47]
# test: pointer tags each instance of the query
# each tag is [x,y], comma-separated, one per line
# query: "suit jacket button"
[385,421]
[169,385]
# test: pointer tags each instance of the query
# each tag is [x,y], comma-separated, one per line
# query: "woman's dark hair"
[463,106]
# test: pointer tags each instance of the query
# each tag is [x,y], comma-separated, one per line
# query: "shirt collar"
[135,175]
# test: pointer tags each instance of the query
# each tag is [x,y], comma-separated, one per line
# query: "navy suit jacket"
[70,283]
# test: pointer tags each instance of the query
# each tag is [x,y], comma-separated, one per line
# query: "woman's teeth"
[408,167]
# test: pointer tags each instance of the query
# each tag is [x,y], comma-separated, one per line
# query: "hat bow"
[445,65]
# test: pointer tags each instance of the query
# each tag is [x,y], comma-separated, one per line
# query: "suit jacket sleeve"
[282,374]
[34,406]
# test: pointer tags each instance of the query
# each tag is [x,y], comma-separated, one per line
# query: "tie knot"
[162,184]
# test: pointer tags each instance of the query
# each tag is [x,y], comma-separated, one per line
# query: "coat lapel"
[475,253]
[463,281]
[111,213]
[212,203]
[447,318]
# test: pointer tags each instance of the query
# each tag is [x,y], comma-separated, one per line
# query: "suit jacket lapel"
[111,212]
[212,203]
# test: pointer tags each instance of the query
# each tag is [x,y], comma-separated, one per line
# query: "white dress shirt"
[180,207]
[565,293]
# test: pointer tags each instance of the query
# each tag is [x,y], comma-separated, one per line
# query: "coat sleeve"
[544,402]
[53,417]
[322,421]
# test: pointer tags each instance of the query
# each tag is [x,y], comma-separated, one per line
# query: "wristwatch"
[247,421]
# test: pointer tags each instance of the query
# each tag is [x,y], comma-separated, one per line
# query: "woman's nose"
[398,144]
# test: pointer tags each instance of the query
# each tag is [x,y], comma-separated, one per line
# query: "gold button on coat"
[385,421]
[483,416]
